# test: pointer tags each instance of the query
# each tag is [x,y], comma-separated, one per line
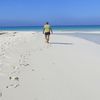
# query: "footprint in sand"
[33,69]
[23,61]
[26,64]
[0,94]
[16,78]
[16,85]
[13,85]
[14,32]
[10,77]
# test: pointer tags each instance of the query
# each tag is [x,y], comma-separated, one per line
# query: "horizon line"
[42,25]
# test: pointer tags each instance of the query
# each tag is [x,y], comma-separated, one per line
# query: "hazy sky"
[57,12]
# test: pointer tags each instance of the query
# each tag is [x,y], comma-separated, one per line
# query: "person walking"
[47,30]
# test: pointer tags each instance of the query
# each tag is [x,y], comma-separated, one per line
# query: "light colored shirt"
[47,28]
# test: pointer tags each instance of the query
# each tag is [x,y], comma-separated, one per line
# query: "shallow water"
[87,36]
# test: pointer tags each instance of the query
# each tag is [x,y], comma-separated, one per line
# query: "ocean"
[55,28]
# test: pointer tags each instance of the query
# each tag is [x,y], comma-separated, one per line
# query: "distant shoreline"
[55,28]
[57,32]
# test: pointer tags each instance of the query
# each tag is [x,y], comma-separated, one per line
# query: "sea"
[55,28]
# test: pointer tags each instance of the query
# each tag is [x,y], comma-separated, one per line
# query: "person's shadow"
[61,43]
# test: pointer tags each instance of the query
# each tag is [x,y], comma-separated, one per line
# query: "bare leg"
[48,36]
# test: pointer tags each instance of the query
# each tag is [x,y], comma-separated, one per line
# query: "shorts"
[47,33]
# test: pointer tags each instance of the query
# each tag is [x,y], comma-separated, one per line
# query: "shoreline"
[72,31]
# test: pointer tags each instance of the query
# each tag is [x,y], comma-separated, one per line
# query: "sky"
[56,12]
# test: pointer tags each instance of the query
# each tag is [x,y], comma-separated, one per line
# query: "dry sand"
[66,69]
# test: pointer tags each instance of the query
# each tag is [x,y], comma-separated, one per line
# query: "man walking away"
[47,30]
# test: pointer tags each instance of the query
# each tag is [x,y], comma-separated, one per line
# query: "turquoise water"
[55,28]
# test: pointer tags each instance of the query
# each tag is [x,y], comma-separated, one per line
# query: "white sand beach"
[66,69]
